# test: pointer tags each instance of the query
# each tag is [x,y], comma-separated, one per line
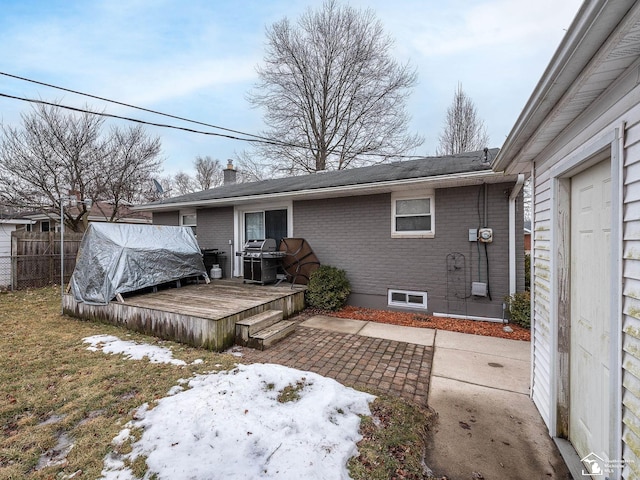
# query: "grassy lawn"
[52,387]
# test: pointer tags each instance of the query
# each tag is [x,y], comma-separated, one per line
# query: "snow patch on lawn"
[231,425]
[131,350]
[235,425]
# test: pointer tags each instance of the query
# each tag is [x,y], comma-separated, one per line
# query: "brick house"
[406,233]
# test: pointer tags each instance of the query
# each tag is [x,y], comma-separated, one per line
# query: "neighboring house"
[579,137]
[8,224]
[527,237]
[401,231]
[44,221]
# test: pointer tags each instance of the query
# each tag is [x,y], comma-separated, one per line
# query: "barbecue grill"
[260,260]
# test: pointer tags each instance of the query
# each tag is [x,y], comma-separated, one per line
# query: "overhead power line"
[144,122]
[155,112]
[253,138]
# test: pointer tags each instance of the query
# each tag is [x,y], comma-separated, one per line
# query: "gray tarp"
[117,258]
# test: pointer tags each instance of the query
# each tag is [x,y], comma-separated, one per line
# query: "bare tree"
[183,183]
[208,172]
[54,154]
[252,170]
[330,86]
[133,160]
[463,130]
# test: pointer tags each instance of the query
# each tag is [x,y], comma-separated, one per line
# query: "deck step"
[272,334]
[248,327]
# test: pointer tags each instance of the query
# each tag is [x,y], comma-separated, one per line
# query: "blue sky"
[197,59]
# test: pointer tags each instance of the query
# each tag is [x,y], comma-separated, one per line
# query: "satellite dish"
[158,187]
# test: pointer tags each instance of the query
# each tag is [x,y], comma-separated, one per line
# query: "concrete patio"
[487,425]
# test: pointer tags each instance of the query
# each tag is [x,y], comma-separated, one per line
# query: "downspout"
[515,191]
[616,446]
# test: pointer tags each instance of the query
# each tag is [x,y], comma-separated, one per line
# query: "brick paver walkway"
[397,368]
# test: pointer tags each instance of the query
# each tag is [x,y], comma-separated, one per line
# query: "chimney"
[229,174]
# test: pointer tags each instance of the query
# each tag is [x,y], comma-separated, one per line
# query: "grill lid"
[266,245]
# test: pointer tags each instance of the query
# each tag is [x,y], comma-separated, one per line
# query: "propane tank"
[216,271]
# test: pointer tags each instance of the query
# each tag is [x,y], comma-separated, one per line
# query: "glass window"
[275,224]
[420,206]
[412,216]
[189,220]
[44,226]
[254,226]
[407,299]
[266,224]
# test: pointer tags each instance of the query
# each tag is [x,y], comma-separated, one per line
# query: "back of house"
[437,235]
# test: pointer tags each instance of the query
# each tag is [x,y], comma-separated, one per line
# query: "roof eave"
[469,178]
[17,221]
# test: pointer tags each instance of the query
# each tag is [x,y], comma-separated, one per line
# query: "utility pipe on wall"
[512,232]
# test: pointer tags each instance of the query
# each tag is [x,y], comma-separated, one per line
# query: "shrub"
[520,308]
[527,272]
[328,288]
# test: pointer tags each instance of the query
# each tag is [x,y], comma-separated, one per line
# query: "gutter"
[515,191]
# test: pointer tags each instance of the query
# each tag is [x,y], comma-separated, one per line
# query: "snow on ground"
[231,425]
[132,350]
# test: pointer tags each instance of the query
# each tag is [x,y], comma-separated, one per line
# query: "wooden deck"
[199,315]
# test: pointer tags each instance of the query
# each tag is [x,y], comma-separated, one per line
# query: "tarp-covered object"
[118,258]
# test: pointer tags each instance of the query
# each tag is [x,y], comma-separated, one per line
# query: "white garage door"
[590,274]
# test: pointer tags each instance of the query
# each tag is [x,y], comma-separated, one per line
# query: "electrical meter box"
[485,235]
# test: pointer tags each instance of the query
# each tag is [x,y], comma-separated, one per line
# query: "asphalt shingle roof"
[409,169]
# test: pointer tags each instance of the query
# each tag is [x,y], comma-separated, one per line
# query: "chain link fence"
[33,271]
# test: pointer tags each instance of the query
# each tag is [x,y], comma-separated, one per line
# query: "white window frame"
[406,303]
[238,226]
[415,195]
[194,225]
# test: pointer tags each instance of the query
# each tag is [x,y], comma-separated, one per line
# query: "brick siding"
[354,233]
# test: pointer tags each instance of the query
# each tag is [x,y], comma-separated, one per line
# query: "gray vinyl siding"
[631,302]
[354,233]
[166,218]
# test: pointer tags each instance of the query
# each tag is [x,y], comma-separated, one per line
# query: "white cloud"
[197,59]
[501,23]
